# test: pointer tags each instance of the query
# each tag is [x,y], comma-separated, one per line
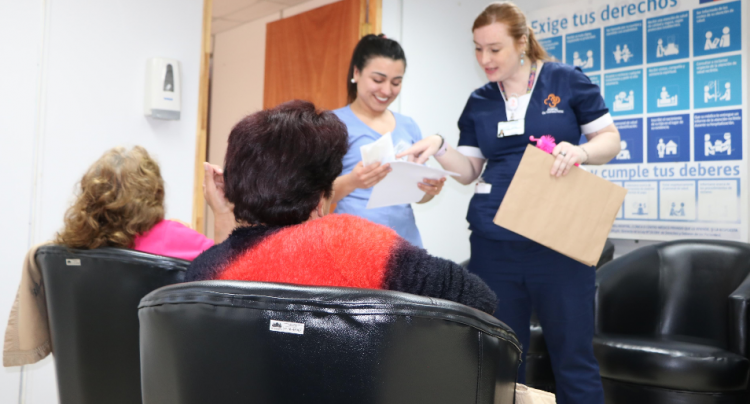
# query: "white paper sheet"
[400,185]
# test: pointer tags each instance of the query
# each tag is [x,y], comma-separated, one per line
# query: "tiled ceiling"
[228,14]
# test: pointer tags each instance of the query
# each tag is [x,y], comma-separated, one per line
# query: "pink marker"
[545,143]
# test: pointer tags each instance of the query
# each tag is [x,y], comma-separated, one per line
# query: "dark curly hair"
[280,162]
[371,46]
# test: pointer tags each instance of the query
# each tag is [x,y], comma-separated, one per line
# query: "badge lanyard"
[512,101]
[512,126]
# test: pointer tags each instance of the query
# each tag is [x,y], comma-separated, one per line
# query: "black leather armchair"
[672,324]
[608,253]
[232,341]
[92,302]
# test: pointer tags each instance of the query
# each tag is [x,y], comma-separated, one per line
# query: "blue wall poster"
[623,45]
[642,200]
[717,29]
[623,92]
[668,37]
[718,82]
[718,136]
[631,141]
[668,88]
[553,46]
[668,138]
[719,201]
[674,76]
[677,201]
[583,49]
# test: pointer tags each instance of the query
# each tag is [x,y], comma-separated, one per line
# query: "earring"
[523,55]
[353,81]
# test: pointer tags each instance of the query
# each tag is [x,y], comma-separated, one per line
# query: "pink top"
[172,239]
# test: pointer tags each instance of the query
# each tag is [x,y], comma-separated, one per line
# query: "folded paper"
[380,151]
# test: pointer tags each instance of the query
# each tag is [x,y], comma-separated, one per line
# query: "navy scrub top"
[562,101]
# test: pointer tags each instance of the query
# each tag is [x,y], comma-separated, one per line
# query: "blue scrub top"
[400,217]
[563,100]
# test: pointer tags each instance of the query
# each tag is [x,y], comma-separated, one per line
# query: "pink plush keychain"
[545,143]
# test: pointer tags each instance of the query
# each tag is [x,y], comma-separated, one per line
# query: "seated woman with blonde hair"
[121,204]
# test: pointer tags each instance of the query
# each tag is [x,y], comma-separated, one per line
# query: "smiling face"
[497,52]
[379,82]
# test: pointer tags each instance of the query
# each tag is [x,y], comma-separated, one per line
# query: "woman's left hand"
[432,187]
[566,156]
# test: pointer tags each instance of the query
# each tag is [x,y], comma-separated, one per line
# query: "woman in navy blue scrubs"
[527,95]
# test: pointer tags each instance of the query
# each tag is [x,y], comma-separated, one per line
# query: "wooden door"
[308,55]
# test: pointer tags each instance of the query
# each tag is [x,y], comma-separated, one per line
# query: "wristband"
[443,147]
[587,155]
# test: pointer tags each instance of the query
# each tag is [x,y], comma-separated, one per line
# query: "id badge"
[483,188]
[511,128]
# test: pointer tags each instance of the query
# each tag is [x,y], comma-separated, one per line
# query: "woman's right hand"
[367,176]
[213,190]
[422,150]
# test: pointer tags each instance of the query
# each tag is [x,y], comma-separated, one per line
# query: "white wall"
[391,26]
[18,20]
[68,99]
[441,73]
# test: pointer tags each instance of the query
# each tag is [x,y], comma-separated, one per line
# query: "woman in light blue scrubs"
[374,81]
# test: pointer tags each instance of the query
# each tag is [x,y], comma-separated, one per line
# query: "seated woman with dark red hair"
[279,172]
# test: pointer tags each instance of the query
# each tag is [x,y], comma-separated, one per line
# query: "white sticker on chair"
[287,327]
[73,262]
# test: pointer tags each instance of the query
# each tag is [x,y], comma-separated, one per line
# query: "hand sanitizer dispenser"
[163,89]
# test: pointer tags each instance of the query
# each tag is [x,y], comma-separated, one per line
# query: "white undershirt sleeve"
[597,125]
[471,151]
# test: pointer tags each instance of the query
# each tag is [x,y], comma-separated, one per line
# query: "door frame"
[198,221]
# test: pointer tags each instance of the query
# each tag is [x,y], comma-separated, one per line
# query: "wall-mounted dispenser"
[163,89]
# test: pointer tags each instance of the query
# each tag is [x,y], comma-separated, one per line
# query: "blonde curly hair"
[121,196]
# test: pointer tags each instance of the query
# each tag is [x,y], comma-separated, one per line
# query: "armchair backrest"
[678,289]
[229,341]
[92,303]
[608,253]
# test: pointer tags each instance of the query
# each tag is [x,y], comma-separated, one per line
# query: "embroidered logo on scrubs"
[551,103]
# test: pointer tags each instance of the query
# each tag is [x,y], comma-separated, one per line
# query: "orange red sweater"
[339,250]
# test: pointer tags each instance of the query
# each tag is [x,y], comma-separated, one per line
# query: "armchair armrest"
[739,319]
